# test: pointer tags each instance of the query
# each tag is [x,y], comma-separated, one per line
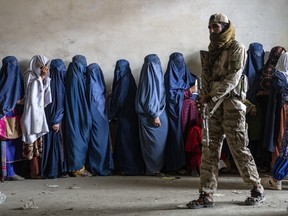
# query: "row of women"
[65,117]
[268,94]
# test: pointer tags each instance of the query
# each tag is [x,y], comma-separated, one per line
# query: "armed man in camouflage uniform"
[222,81]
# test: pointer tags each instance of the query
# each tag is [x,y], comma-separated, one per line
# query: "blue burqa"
[254,63]
[150,103]
[77,117]
[177,79]
[52,153]
[11,84]
[122,108]
[100,155]
[11,90]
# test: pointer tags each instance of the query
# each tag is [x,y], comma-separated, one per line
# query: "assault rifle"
[205,115]
[205,112]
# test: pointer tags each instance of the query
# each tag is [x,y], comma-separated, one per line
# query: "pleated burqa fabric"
[100,161]
[254,64]
[77,118]
[150,103]
[53,152]
[122,109]
[177,79]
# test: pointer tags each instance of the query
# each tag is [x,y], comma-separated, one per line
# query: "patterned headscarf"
[268,70]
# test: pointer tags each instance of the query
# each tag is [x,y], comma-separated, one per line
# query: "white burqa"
[37,97]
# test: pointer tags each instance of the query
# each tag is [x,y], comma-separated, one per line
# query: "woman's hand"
[56,127]
[253,112]
[44,71]
[156,122]
[21,101]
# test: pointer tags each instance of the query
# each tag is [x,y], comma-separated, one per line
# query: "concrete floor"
[132,195]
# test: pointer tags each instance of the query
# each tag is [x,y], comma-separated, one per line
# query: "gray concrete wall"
[107,30]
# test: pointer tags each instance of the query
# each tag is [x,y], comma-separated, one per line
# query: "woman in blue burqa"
[254,63]
[11,92]
[127,150]
[253,67]
[153,122]
[100,161]
[52,152]
[177,79]
[77,118]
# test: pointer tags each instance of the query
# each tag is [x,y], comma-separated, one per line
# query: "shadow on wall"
[193,65]
[24,65]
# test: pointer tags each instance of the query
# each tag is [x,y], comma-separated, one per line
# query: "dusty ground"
[134,195]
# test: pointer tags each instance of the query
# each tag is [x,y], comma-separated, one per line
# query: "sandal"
[204,201]
[257,197]
[64,175]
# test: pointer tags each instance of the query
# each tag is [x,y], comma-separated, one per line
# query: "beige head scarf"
[218,42]
[282,64]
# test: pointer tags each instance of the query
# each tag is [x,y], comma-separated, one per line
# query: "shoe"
[14,178]
[264,169]
[205,200]
[195,173]
[81,173]
[37,177]
[159,174]
[182,172]
[257,196]
[269,183]
[64,175]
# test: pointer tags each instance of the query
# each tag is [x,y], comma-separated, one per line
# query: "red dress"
[192,132]
[193,146]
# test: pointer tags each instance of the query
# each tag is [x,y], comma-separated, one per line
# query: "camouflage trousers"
[230,123]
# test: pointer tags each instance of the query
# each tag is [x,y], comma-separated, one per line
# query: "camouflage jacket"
[223,78]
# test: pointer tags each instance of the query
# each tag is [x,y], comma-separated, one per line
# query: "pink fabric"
[2,128]
[191,124]
[189,114]
[194,140]
[193,146]
[12,132]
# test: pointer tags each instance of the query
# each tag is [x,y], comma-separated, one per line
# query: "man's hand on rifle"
[202,102]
